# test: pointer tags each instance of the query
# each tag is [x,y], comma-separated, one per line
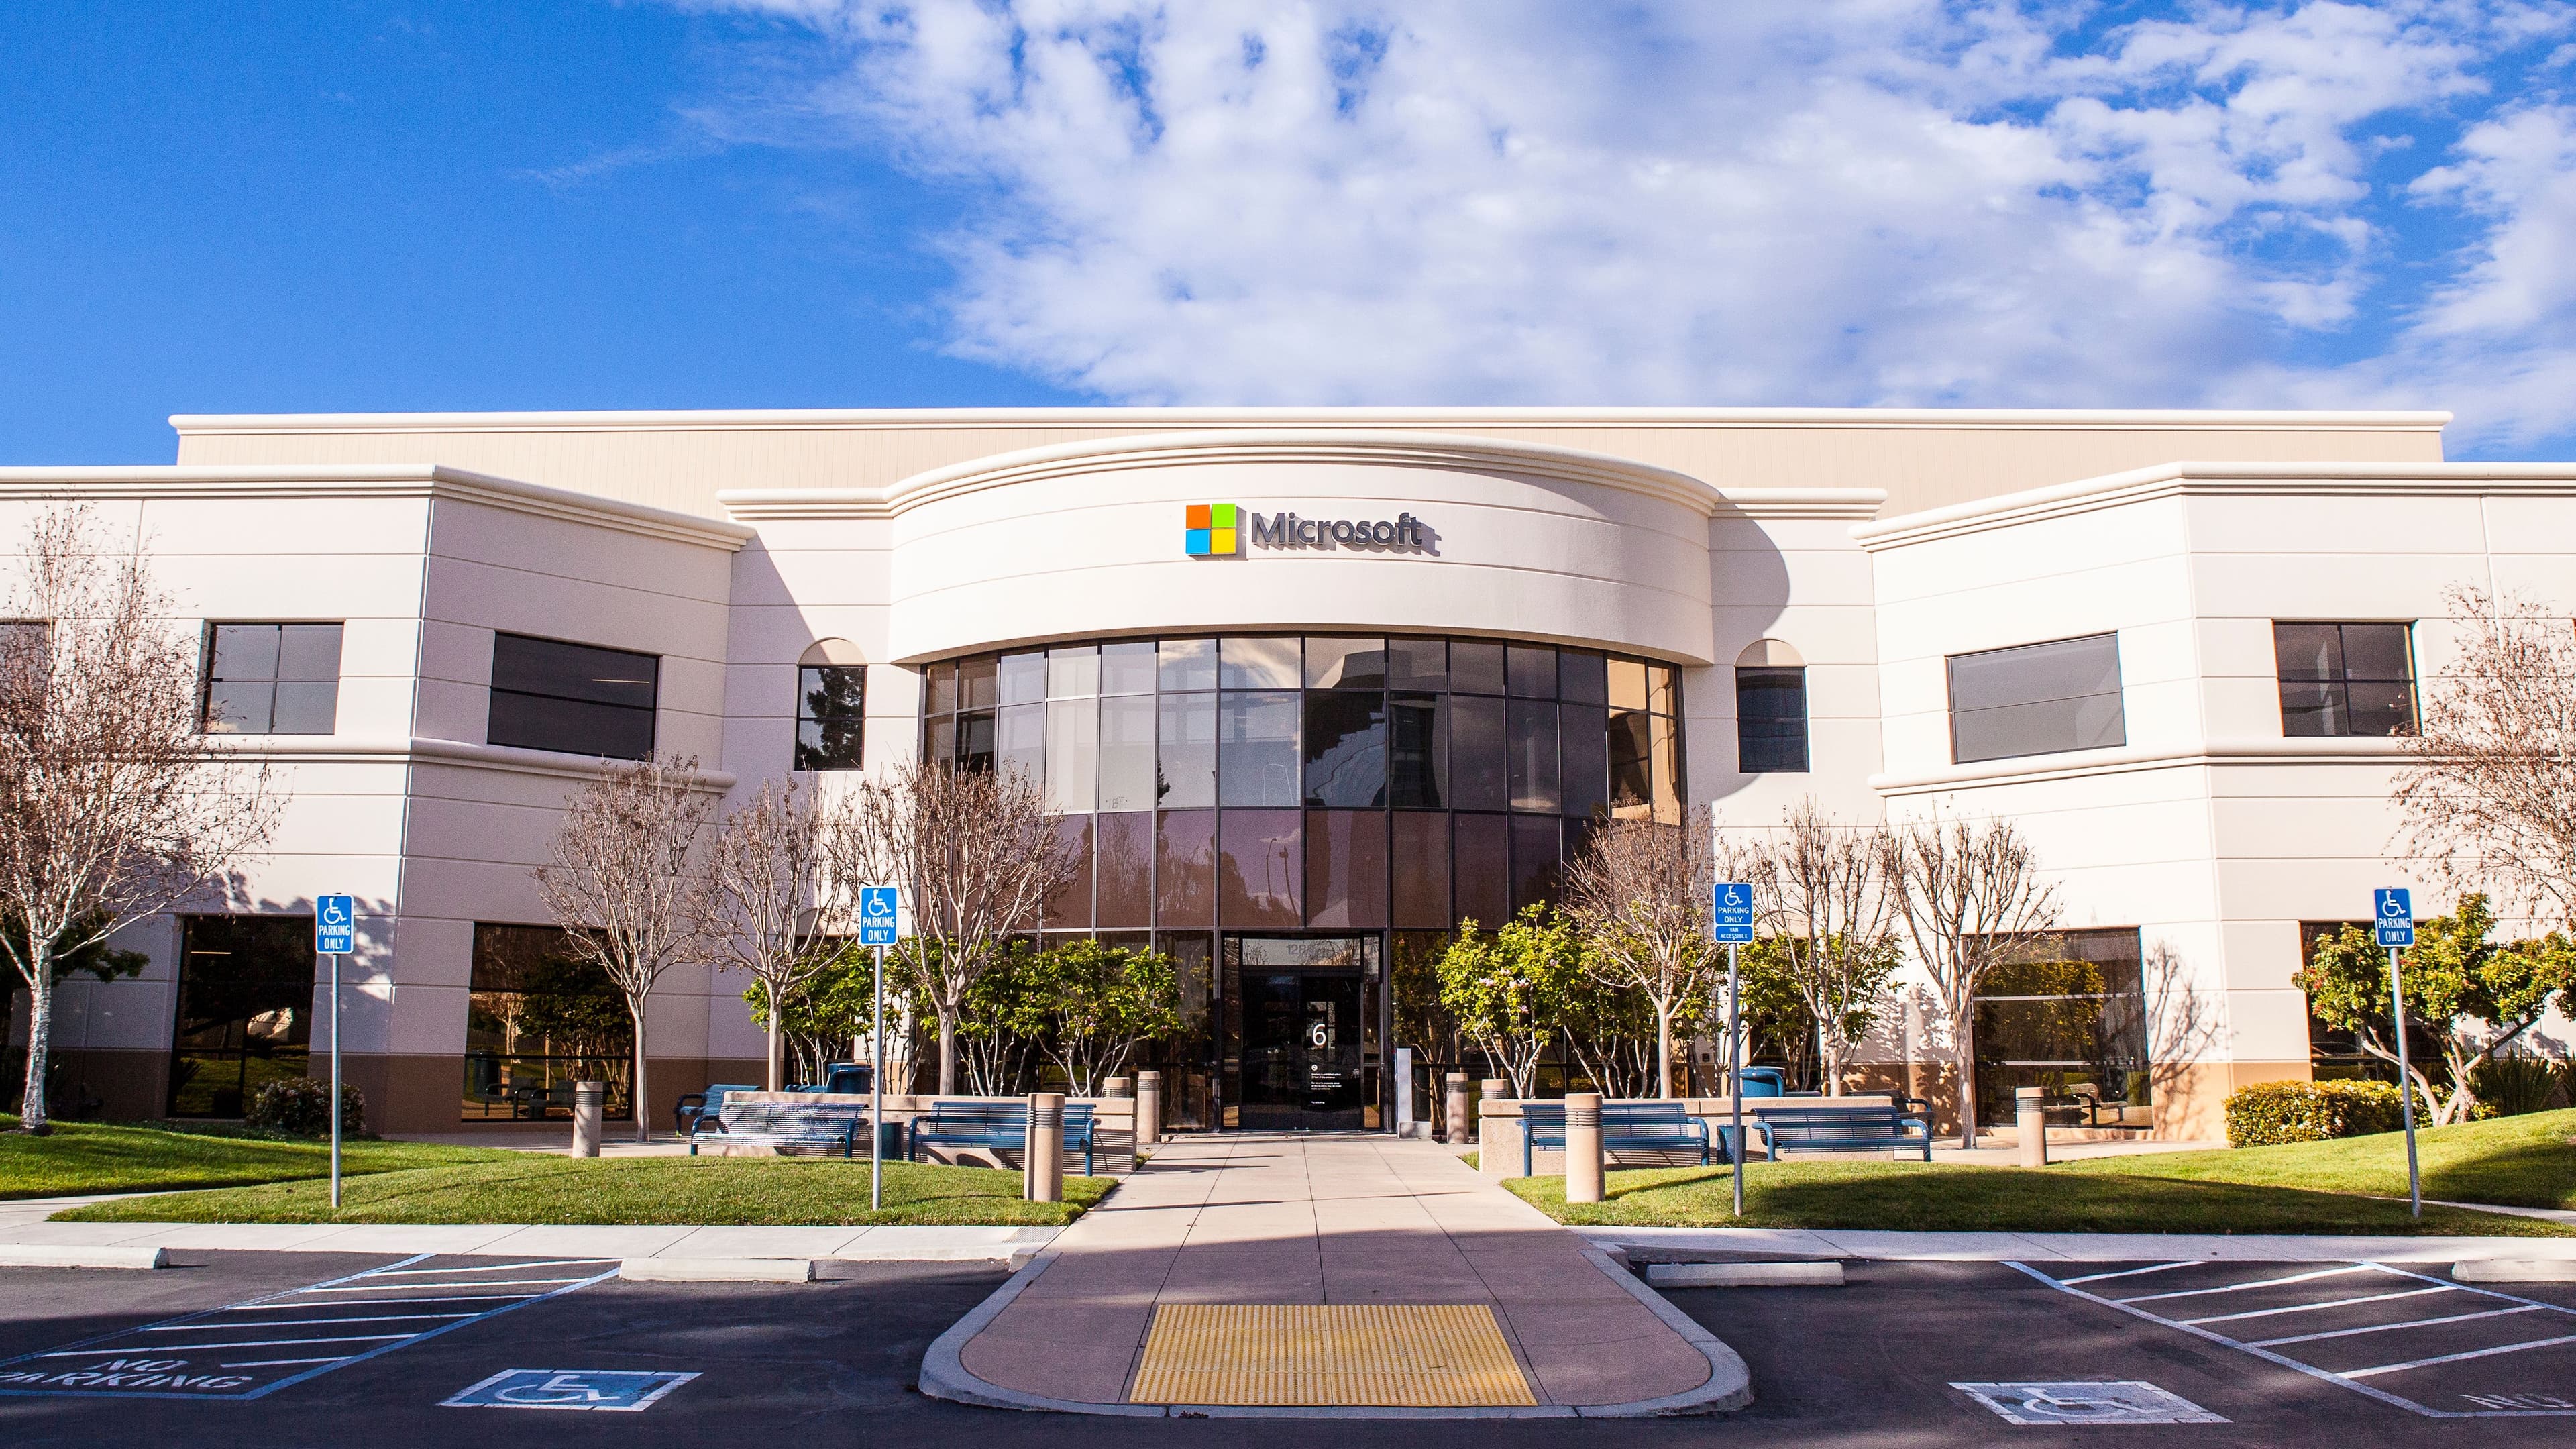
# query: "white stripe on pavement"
[2241,1287]
[2390,1368]
[2388,1327]
[2318,1307]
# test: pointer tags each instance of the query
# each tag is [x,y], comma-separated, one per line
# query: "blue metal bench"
[1625,1126]
[1845,1129]
[995,1126]
[707,1107]
[822,1122]
[842,1079]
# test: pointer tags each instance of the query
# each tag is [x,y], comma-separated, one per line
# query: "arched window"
[831,706]
[1770,709]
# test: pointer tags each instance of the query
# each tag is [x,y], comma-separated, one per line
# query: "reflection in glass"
[1345,664]
[1127,669]
[1019,739]
[1580,679]
[1482,851]
[1668,772]
[939,689]
[1417,664]
[1258,663]
[1073,673]
[1534,860]
[975,741]
[1346,748]
[1533,756]
[1185,868]
[1070,905]
[1627,684]
[1632,774]
[1124,846]
[1186,752]
[1127,752]
[1417,757]
[1587,764]
[1188,664]
[1346,883]
[1532,670]
[1421,855]
[1479,764]
[245,1010]
[1256,748]
[1475,667]
[1022,679]
[975,682]
[1260,869]
[1072,755]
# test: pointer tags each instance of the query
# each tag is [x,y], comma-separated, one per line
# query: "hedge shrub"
[2270,1113]
[301,1107]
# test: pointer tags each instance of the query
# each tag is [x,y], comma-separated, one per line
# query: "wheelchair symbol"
[335,911]
[614,1390]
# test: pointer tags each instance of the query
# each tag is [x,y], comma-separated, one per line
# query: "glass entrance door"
[1301,1050]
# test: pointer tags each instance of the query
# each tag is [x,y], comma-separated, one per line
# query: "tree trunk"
[32,1116]
[1965,1053]
[947,1051]
[1833,1055]
[642,1096]
[777,1056]
[1664,1050]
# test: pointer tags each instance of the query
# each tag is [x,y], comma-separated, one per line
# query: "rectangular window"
[1632,776]
[245,1010]
[1475,667]
[26,655]
[1346,878]
[2345,679]
[1020,679]
[272,679]
[1127,669]
[1533,754]
[1584,730]
[539,1017]
[1261,869]
[1532,670]
[1127,752]
[1185,776]
[2066,1012]
[1536,841]
[1126,869]
[576,699]
[1069,905]
[1346,664]
[831,716]
[1421,851]
[1479,762]
[1771,720]
[1482,852]
[2036,699]
[1259,663]
[1256,749]
[1185,869]
[1346,748]
[1417,664]
[1019,740]
[1073,755]
[1417,759]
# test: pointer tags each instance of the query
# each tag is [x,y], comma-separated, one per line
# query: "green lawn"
[2526,1161]
[87,1157]
[1943,1197]
[529,1188]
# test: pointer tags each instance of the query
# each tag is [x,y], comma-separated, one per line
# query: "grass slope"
[1915,1197]
[528,1188]
[2526,1161]
[88,1157]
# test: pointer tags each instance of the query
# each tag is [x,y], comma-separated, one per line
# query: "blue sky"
[323,206]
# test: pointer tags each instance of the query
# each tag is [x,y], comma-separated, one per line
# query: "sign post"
[335,934]
[1731,925]
[2394,909]
[878,930]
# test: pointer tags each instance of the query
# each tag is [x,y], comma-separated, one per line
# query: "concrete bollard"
[1115,1089]
[1583,1147]
[589,1102]
[2030,1124]
[1042,1175]
[1454,1110]
[1149,1108]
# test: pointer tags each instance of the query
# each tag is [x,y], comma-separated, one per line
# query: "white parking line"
[373,1302]
[2244,1287]
[300,1322]
[2321,1307]
[249,1343]
[2131,1272]
[504,1267]
[2390,1368]
[493,1283]
[2390,1327]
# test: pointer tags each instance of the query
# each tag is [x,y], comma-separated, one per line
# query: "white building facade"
[1433,650]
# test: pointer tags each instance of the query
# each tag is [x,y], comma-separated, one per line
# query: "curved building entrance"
[1307,1031]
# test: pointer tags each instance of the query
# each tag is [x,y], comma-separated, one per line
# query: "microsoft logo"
[1210,531]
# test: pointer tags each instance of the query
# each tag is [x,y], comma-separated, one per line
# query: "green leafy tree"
[1507,988]
[1610,1030]
[990,1018]
[2471,995]
[830,1012]
[1088,1006]
[1775,1010]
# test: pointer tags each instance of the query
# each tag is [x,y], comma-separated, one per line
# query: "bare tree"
[1824,892]
[2489,795]
[774,901]
[113,806]
[1639,892]
[627,887]
[1969,896]
[979,854]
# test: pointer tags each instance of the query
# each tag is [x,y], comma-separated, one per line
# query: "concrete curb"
[2514,1270]
[1745,1275]
[944,1374]
[47,1255]
[717,1270]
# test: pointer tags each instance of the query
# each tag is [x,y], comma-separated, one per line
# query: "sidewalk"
[1351,1276]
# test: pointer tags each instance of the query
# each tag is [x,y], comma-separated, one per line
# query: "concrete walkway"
[1360,1222]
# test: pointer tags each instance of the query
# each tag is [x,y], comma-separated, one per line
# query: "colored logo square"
[1209,531]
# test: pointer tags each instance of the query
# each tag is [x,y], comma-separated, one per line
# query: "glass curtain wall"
[245,1015]
[539,1018]
[1289,784]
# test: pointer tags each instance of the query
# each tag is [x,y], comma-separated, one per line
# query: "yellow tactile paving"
[1400,1355]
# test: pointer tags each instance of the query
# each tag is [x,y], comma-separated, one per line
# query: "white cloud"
[1873,201]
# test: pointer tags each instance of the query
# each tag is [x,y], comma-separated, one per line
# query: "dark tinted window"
[578,699]
[2345,679]
[1770,720]
[831,716]
[2036,699]
[272,679]
[245,1010]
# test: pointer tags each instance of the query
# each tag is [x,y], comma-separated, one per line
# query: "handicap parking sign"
[615,1391]
[1733,918]
[335,926]
[876,916]
[2394,910]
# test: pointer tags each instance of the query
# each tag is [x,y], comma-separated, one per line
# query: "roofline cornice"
[2220,479]
[369,480]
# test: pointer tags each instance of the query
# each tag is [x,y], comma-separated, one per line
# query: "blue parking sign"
[2393,909]
[1732,913]
[335,926]
[877,916]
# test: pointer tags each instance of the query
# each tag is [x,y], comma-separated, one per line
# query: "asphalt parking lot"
[84,1354]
